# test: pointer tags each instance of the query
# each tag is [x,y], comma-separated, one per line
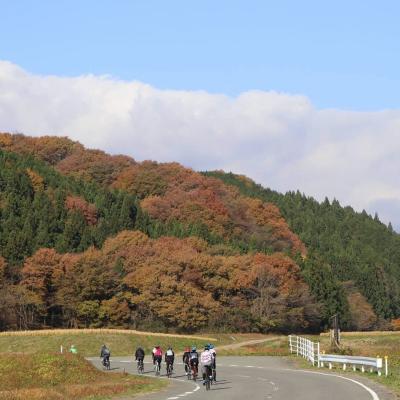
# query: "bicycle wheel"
[194,373]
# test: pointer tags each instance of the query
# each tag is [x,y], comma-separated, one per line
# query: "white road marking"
[370,391]
[244,376]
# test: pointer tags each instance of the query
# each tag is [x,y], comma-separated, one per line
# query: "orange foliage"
[395,323]
[362,314]
[89,211]
[175,281]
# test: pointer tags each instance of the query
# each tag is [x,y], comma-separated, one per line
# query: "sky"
[296,95]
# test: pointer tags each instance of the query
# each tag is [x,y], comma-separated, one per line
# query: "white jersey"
[169,353]
[206,357]
[213,352]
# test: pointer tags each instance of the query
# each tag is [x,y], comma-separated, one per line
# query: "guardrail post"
[330,365]
[386,365]
[362,368]
[354,367]
[297,347]
[61,349]
[318,355]
[344,366]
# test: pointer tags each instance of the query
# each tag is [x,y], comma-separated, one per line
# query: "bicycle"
[208,379]
[157,367]
[106,363]
[169,370]
[140,366]
[188,371]
[194,371]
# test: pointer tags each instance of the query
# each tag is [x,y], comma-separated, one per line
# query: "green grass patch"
[51,376]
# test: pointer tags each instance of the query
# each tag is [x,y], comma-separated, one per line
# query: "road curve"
[255,378]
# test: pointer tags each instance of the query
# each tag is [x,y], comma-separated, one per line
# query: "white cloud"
[280,140]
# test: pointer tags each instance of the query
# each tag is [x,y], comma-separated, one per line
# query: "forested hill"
[39,207]
[352,246]
[89,239]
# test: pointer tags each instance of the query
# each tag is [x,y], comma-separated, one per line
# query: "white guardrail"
[311,351]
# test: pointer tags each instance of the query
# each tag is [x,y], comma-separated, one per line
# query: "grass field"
[52,376]
[120,342]
[88,342]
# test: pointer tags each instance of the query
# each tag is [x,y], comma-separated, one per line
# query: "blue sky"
[295,94]
[340,54]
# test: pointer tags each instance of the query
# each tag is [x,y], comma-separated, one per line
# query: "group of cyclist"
[190,358]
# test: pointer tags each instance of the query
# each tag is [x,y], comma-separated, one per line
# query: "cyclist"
[157,356]
[73,349]
[169,358]
[206,359]
[214,366]
[105,355]
[139,356]
[153,352]
[194,360]
[186,360]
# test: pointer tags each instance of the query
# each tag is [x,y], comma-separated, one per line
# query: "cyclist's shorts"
[193,362]
[158,359]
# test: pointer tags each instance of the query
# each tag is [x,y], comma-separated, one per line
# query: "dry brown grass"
[365,333]
[50,376]
[47,332]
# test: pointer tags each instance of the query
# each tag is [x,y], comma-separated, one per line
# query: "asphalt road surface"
[254,378]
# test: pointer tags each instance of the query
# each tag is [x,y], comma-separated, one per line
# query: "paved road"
[256,378]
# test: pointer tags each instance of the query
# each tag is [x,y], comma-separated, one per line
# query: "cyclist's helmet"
[211,346]
[207,347]
[194,348]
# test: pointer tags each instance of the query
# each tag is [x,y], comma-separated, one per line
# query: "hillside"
[62,265]
[351,246]
[198,245]
[184,200]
